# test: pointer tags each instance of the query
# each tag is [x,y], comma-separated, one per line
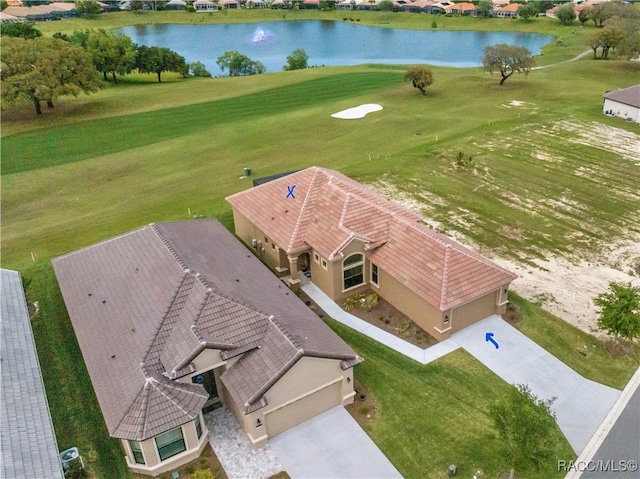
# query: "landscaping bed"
[384,316]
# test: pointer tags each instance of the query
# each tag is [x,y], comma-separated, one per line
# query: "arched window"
[353,271]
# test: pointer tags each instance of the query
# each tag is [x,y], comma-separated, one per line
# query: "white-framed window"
[324,263]
[198,426]
[170,443]
[136,449]
[353,271]
[374,274]
[316,258]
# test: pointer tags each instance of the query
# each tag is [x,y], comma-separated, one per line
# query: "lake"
[328,43]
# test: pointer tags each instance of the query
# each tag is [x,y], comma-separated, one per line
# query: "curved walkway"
[579,57]
[423,356]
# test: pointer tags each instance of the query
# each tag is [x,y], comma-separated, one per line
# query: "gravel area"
[234,450]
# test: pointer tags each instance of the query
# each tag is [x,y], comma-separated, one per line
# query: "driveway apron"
[580,405]
[331,445]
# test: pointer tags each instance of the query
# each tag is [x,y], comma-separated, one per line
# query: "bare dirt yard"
[564,266]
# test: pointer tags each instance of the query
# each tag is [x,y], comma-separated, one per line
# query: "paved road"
[581,404]
[621,444]
[331,445]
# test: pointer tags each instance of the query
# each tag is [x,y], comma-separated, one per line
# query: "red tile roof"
[330,210]
[143,305]
[512,7]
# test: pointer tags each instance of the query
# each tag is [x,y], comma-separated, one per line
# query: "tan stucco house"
[174,319]
[349,239]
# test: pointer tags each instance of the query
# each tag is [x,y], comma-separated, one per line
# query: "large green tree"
[239,64]
[88,7]
[25,30]
[420,77]
[158,60]
[43,69]
[526,11]
[297,60]
[484,8]
[619,311]
[111,53]
[566,13]
[507,59]
[524,424]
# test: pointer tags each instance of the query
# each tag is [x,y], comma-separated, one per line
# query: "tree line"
[41,69]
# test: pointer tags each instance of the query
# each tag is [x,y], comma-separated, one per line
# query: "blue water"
[327,43]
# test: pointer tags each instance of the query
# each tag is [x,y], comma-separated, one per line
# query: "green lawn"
[431,416]
[77,418]
[143,152]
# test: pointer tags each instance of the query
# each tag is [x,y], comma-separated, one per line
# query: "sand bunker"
[357,111]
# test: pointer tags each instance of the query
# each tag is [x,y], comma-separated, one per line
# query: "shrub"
[370,301]
[352,301]
[363,410]
[434,24]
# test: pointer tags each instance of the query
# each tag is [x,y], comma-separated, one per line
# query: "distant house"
[465,8]
[419,6]
[38,13]
[4,17]
[176,5]
[349,239]
[624,103]
[281,4]
[508,11]
[231,4]
[174,319]
[310,4]
[28,448]
[205,6]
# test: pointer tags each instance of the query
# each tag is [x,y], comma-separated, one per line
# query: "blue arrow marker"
[489,337]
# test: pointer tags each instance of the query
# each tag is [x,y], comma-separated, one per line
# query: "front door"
[208,380]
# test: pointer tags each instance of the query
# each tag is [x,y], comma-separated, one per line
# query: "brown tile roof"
[629,96]
[330,210]
[143,305]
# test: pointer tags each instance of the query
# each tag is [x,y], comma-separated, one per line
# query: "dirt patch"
[597,135]
[389,319]
[563,285]
[566,288]
[363,408]
[616,349]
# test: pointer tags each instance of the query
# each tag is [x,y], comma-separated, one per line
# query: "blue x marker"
[290,191]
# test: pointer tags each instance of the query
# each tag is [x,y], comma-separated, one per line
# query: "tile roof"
[628,96]
[331,210]
[28,448]
[145,304]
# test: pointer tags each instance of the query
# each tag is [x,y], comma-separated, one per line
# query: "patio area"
[234,450]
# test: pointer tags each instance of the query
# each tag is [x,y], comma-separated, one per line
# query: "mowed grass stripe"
[77,142]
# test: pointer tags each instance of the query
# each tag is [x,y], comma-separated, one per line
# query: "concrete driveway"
[331,445]
[581,404]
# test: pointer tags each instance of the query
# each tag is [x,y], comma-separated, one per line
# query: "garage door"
[305,408]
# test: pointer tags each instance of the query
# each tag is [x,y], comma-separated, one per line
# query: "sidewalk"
[423,356]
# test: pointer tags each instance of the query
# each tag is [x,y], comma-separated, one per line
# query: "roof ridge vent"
[168,246]
[445,274]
